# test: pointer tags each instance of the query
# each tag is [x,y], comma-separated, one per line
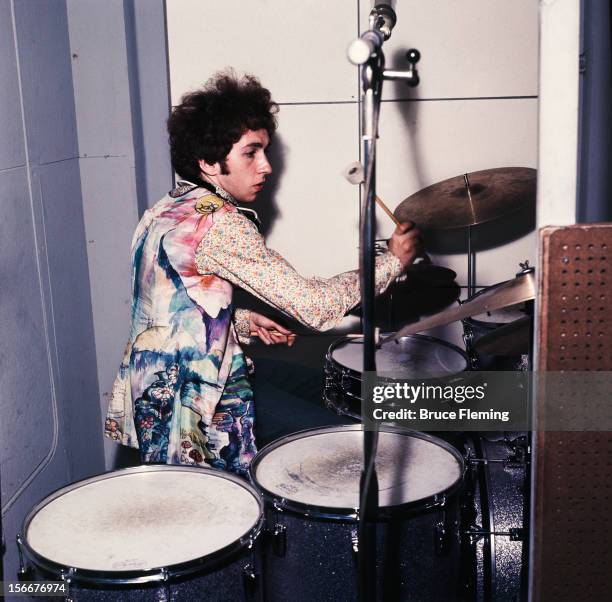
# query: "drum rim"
[330,359]
[99,577]
[437,500]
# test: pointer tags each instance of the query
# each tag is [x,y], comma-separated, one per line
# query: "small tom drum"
[416,356]
[151,531]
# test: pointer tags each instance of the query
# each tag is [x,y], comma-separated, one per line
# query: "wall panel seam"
[48,323]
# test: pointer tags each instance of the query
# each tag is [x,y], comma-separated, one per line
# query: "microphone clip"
[383,19]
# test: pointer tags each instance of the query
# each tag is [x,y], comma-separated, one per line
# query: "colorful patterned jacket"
[182,392]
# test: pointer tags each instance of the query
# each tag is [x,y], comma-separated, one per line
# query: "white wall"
[476,108]
[558,118]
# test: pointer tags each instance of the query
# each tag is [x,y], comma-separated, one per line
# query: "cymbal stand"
[471,255]
[366,52]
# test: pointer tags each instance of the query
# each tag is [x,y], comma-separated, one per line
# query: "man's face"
[246,165]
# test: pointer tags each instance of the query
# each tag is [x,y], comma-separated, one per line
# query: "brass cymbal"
[493,192]
[518,290]
[508,340]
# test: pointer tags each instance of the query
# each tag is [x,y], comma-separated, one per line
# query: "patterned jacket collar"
[185,186]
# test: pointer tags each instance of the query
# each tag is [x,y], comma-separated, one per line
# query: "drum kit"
[452,521]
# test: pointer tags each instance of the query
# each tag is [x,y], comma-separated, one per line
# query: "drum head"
[143,518]
[415,356]
[322,467]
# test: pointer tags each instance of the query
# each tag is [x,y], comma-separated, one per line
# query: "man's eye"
[250,155]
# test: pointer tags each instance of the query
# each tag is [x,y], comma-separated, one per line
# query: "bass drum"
[148,533]
[494,517]
[310,483]
[412,357]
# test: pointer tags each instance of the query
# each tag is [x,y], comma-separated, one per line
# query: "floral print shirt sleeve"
[243,325]
[234,250]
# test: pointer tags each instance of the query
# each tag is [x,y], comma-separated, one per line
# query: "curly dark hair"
[210,121]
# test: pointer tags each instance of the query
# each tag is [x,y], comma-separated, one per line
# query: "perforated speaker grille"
[572,557]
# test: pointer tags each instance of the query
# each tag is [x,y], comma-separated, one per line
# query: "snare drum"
[415,356]
[310,483]
[149,533]
[481,324]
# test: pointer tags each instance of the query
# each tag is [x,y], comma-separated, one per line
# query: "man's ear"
[208,169]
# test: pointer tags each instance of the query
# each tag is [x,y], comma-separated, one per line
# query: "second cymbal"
[519,289]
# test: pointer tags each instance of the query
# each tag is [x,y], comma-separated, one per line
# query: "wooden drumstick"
[387,210]
[354,174]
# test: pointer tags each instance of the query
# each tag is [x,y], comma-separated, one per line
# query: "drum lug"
[67,576]
[345,379]
[329,380]
[355,548]
[249,580]
[441,539]
[468,339]
[355,541]
[439,501]
[475,533]
[519,450]
[279,540]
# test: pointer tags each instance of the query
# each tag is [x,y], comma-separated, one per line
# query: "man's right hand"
[405,243]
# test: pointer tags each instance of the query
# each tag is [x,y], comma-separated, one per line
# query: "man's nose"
[264,166]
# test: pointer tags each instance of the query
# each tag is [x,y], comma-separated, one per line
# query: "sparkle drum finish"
[494,517]
[412,357]
[153,532]
[310,483]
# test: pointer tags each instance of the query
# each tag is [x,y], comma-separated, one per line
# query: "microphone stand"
[367,52]
[368,487]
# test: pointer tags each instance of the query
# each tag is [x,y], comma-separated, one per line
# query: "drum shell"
[319,562]
[225,583]
[221,575]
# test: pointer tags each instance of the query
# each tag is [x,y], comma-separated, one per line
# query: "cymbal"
[518,290]
[508,340]
[494,193]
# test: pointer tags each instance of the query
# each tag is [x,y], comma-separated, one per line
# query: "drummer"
[182,395]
